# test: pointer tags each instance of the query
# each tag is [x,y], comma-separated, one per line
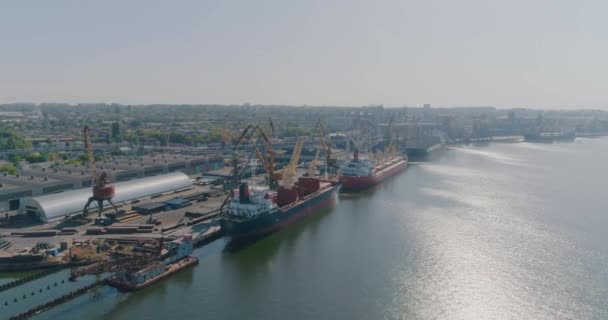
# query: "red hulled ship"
[359,173]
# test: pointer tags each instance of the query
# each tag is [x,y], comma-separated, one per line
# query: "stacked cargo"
[307,185]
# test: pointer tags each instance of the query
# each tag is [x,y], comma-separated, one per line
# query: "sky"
[516,53]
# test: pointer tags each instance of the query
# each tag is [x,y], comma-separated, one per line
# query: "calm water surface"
[503,231]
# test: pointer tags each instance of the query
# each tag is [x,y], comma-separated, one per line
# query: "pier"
[29,278]
[62,299]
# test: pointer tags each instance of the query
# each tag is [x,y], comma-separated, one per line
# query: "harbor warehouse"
[51,206]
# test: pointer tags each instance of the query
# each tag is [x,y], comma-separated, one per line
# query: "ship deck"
[169,270]
[391,165]
[324,187]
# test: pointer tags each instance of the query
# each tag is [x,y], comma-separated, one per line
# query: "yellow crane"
[267,161]
[313,164]
[323,145]
[289,172]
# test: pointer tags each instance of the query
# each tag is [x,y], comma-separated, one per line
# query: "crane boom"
[102,189]
[392,136]
[89,147]
[313,163]
[324,145]
[267,161]
[290,170]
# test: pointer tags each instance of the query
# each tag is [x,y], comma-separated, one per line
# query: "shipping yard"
[303,160]
[132,240]
[135,239]
[130,220]
[152,223]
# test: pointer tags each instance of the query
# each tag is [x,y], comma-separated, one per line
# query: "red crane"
[103,190]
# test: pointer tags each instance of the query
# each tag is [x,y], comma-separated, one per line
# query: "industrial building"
[47,207]
[43,179]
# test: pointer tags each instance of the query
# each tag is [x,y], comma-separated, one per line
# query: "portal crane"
[323,145]
[226,136]
[103,190]
[266,161]
[289,172]
[392,145]
[313,164]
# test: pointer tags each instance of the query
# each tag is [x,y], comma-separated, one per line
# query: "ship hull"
[550,137]
[279,218]
[359,183]
[169,270]
[423,154]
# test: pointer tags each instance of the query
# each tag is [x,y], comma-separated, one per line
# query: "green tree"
[214,135]
[130,136]
[116,132]
[135,124]
[72,162]
[181,138]
[294,131]
[9,168]
[51,156]
[83,158]
[14,158]
[152,133]
[35,157]
[10,140]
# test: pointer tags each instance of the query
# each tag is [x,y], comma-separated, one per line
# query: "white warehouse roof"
[51,206]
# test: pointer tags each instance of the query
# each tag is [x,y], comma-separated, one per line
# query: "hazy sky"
[508,53]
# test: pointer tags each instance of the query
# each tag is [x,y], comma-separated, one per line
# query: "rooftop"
[7,186]
[26,180]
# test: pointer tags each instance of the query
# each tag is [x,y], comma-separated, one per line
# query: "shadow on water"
[312,223]
[235,246]
[10,276]
[158,291]
[367,193]
[248,258]
[287,234]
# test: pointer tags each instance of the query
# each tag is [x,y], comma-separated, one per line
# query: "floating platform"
[169,269]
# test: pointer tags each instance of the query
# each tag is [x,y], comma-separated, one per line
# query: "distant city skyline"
[517,54]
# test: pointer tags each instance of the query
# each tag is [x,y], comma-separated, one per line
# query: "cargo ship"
[254,211]
[550,136]
[174,259]
[424,153]
[359,174]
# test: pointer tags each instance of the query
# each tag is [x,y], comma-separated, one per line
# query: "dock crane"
[386,152]
[249,136]
[323,145]
[267,162]
[103,190]
[392,145]
[313,164]
[289,172]
[226,136]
